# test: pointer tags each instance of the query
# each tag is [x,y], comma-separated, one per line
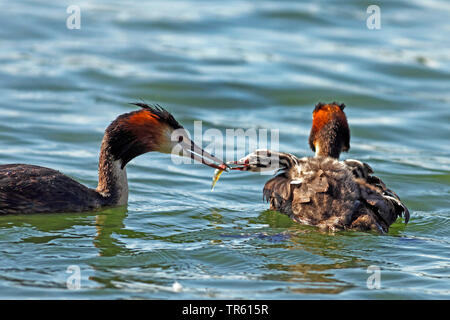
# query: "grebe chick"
[33,189]
[321,190]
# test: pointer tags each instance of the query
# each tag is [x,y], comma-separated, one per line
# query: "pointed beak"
[241,165]
[190,149]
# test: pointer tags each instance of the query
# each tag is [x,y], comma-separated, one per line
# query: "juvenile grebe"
[323,191]
[33,189]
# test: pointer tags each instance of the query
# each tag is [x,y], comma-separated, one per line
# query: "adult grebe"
[323,191]
[33,189]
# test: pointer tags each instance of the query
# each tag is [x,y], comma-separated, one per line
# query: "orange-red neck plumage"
[330,134]
[138,132]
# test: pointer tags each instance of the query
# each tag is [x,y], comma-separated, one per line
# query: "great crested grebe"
[33,189]
[321,190]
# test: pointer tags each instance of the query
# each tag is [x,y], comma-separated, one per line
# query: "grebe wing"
[292,186]
[316,191]
[384,202]
[33,189]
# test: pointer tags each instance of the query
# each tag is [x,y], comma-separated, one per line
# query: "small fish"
[216,177]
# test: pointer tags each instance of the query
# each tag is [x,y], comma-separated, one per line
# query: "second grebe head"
[153,129]
[330,134]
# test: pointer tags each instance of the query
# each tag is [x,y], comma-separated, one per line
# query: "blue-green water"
[231,64]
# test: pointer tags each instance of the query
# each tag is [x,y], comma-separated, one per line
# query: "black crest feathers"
[161,113]
[321,104]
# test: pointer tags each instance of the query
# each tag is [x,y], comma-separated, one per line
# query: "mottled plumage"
[323,191]
[327,193]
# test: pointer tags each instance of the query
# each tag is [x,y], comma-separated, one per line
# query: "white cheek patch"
[169,142]
[317,146]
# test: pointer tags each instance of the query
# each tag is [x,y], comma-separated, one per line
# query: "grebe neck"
[112,178]
[328,149]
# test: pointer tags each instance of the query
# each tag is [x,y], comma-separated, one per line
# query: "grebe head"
[330,134]
[153,129]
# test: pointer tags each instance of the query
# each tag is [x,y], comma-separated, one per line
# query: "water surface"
[235,64]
